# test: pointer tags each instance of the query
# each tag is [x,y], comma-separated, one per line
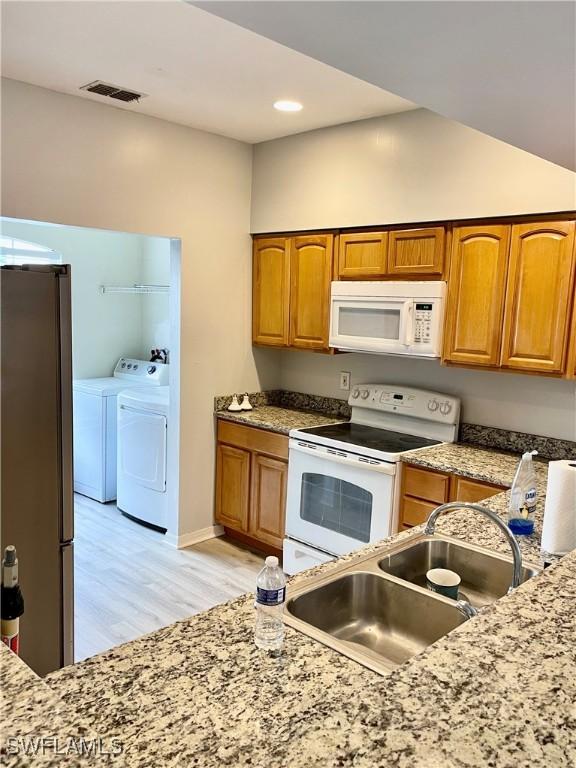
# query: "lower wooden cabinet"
[232,487]
[268,499]
[425,489]
[251,480]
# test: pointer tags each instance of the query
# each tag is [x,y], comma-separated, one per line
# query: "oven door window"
[336,505]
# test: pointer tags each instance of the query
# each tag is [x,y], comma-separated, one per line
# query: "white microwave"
[392,318]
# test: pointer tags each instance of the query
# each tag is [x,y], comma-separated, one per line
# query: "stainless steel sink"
[376,609]
[376,617]
[485,575]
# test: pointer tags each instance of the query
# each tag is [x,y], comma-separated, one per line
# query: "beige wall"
[534,404]
[72,161]
[413,166]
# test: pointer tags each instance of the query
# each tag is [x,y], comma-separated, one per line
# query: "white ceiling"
[507,69]
[198,70]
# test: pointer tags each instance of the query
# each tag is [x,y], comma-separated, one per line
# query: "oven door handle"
[358,462]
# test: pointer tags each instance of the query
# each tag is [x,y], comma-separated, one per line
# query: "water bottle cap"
[272,561]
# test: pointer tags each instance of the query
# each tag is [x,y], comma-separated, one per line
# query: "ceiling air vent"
[112,91]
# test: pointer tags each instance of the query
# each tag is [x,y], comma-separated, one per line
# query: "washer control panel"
[141,371]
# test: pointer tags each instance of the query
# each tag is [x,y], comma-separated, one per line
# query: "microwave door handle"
[409,325]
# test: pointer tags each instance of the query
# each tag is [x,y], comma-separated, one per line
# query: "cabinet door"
[270,292]
[416,252]
[414,511]
[476,290]
[232,487]
[268,505]
[538,295]
[311,268]
[362,255]
[470,491]
[571,367]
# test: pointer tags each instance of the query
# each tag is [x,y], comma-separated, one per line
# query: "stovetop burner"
[362,436]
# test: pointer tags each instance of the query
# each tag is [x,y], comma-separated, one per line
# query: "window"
[14,251]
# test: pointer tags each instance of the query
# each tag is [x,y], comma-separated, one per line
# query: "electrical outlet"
[345,380]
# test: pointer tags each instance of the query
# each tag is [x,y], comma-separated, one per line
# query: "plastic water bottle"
[270,596]
[523,497]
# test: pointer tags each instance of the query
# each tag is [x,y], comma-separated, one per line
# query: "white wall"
[72,161]
[104,327]
[534,404]
[155,270]
[409,167]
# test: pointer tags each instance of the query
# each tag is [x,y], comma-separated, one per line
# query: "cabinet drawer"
[471,491]
[425,484]
[415,511]
[253,439]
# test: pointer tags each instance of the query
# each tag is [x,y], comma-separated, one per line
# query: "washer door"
[142,447]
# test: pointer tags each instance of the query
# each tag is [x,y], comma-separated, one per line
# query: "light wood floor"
[129,581]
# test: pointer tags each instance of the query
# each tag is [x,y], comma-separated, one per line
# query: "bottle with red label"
[12,601]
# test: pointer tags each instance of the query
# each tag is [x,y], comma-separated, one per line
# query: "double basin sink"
[377,610]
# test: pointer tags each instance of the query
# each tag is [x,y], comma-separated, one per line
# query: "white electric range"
[343,479]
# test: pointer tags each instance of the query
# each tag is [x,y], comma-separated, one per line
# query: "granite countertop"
[277,419]
[483,464]
[29,709]
[497,691]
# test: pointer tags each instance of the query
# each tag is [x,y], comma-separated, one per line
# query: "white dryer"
[142,454]
[95,409]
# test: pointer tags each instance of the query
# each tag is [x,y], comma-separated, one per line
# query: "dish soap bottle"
[523,497]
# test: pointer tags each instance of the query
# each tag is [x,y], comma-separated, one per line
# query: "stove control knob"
[445,408]
[433,405]
[151,369]
[365,394]
[355,394]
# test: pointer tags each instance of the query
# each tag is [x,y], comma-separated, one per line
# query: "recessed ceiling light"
[287,106]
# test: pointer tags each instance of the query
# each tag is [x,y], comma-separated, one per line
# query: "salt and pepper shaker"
[245,404]
[234,405]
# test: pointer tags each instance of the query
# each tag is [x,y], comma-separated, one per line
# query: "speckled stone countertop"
[277,419]
[497,691]
[483,464]
[30,709]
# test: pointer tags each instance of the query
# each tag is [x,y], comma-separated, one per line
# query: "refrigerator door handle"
[67,489]
[67,604]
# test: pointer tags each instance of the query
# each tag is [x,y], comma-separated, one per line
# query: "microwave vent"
[112,91]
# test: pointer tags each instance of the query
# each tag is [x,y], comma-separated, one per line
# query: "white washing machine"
[95,412]
[142,454]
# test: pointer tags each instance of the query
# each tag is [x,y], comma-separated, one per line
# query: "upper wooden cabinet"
[571,366]
[271,291]
[396,254]
[363,255]
[476,291]
[311,270]
[416,252]
[291,291]
[538,297]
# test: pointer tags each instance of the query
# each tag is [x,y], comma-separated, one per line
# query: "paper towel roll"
[559,529]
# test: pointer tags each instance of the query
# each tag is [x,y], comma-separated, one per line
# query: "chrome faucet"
[463,605]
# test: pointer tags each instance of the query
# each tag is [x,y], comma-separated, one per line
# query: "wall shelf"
[136,288]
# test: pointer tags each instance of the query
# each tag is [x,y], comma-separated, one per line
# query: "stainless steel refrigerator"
[37,512]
